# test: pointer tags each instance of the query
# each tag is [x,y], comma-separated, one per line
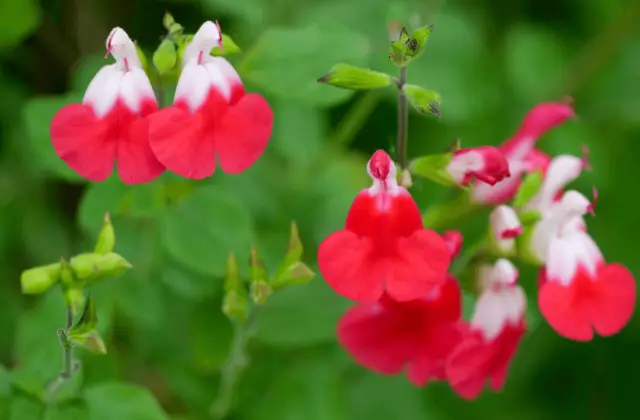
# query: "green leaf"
[201,231]
[37,116]
[40,279]
[301,316]
[434,168]
[425,101]
[5,392]
[19,19]
[109,401]
[165,57]
[286,62]
[528,188]
[23,408]
[351,77]
[229,47]
[84,333]
[65,412]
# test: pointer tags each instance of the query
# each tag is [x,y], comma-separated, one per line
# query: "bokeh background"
[491,61]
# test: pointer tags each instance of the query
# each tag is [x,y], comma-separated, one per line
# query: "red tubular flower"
[211,115]
[486,164]
[109,125]
[389,336]
[521,154]
[493,336]
[579,292]
[384,245]
[453,239]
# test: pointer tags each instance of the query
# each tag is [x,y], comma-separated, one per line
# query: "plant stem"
[403,120]
[68,369]
[235,364]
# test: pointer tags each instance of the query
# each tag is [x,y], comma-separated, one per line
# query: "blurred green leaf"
[301,316]
[65,412]
[298,132]
[165,57]
[529,187]
[37,116]
[85,70]
[109,401]
[20,19]
[22,408]
[5,392]
[229,47]
[202,230]
[302,54]
[188,284]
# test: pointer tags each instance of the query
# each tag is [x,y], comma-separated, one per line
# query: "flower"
[389,336]
[579,292]
[211,115]
[384,245]
[495,330]
[453,239]
[110,124]
[486,164]
[521,154]
[505,226]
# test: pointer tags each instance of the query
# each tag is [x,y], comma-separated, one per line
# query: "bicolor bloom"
[495,330]
[416,336]
[579,292]
[521,153]
[453,239]
[211,116]
[110,125]
[486,164]
[384,246]
[505,226]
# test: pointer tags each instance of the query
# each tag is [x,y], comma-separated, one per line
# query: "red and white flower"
[579,292]
[495,330]
[110,125]
[212,115]
[521,153]
[505,226]
[486,164]
[384,246]
[453,239]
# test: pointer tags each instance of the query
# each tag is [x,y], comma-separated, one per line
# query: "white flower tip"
[505,223]
[117,41]
[208,36]
[504,272]
[576,203]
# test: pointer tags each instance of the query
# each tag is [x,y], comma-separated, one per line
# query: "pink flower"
[486,164]
[579,292]
[211,116]
[110,124]
[453,239]
[495,330]
[505,226]
[521,154]
[384,246]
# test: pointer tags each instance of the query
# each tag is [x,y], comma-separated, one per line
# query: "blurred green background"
[491,61]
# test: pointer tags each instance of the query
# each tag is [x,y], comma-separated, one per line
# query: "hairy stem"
[403,120]
[68,368]
[234,365]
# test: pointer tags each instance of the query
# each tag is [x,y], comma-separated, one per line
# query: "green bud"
[168,21]
[106,238]
[260,292]
[529,187]
[419,39]
[423,100]
[75,299]
[229,47]
[165,57]
[232,280]
[296,273]
[67,276]
[84,333]
[260,288]
[235,306]
[434,168]
[91,267]
[399,49]
[294,251]
[351,77]
[39,279]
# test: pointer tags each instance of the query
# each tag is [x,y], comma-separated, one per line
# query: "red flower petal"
[87,144]
[376,337]
[613,299]
[243,133]
[438,339]
[468,366]
[400,216]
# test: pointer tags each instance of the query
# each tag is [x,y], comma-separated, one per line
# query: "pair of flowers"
[119,119]
[408,315]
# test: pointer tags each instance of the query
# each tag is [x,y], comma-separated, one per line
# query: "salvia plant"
[405,277]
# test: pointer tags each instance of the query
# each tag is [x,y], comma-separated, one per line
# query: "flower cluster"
[119,119]
[408,311]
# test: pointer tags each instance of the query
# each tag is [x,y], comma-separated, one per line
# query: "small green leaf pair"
[291,271]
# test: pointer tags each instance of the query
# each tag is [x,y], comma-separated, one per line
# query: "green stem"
[234,365]
[403,120]
[356,117]
[68,368]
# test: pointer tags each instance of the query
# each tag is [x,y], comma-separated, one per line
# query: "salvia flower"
[211,116]
[579,292]
[493,335]
[110,125]
[505,226]
[521,153]
[453,239]
[486,164]
[384,246]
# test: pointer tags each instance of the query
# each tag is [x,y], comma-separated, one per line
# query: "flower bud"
[106,238]
[165,57]
[75,299]
[260,288]
[350,77]
[92,267]
[296,273]
[39,279]
[234,304]
[423,100]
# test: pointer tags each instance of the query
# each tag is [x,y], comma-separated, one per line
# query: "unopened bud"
[235,306]
[91,267]
[295,274]
[423,100]
[75,299]
[40,279]
[165,57]
[106,238]
[351,77]
[260,291]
